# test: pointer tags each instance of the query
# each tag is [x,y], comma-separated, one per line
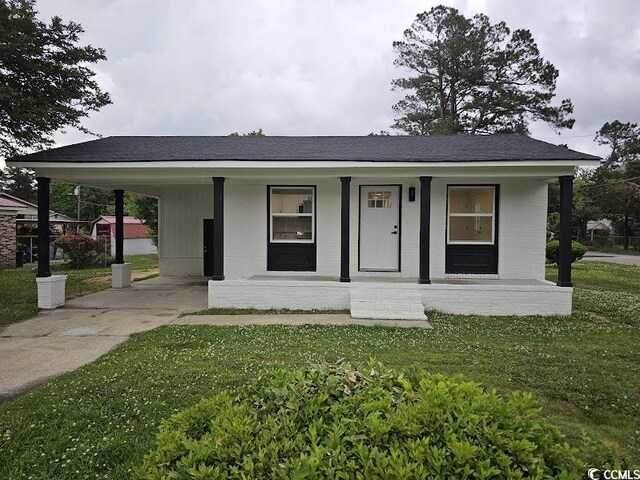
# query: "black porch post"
[344,228]
[425,226]
[44,184]
[218,228]
[564,253]
[119,194]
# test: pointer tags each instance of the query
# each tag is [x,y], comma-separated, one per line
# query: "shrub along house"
[385,226]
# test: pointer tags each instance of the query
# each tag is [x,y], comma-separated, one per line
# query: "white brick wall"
[522,225]
[521,229]
[459,299]
[498,300]
[294,295]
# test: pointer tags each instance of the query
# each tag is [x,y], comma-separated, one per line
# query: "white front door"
[380,228]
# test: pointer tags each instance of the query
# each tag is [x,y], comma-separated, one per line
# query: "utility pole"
[76,192]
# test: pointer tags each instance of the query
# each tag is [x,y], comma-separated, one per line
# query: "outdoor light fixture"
[412,194]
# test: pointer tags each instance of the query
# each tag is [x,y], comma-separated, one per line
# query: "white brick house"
[385,226]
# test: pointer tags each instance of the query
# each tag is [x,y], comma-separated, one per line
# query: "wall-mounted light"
[412,194]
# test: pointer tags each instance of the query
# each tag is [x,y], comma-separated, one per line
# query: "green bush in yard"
[553,248]
[82,251]
[333,421]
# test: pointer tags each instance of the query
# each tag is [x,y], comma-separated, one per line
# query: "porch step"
[378,303]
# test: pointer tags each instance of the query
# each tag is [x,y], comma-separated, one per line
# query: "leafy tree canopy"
[45,83]
[145,209]
[624,140]
[472,76]
[614,187]
[93,201]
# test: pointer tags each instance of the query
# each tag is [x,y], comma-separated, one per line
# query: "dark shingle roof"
[401,148]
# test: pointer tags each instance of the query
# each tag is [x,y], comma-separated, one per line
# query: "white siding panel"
[182,210]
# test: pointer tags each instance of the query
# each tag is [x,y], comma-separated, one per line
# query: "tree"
[471,76]
[145,209]
[617,181]
[45,83]
[19,182]
[624,140]
[253,133]
[93,201]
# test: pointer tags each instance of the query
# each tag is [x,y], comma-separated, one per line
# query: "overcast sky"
[310,67]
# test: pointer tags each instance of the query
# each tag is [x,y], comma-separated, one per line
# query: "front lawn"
[99,421]
[19,296]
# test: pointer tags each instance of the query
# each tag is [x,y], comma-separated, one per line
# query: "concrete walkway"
[58,341]
[612,258]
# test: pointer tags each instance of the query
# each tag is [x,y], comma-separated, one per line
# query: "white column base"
[51,291]
[121,275]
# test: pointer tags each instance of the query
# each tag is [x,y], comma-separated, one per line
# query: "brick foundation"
[7,241]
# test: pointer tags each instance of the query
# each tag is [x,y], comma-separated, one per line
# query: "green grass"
[609,277]
[18,293]
[100,420]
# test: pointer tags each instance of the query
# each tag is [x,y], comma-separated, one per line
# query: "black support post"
[218,228]
[564,254]
[344,228]
[44,269]
[119,194]
[425,226]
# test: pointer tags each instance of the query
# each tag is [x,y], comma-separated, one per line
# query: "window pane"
[379,199]
[292,200]
[471,200]
[292,228]
[470,229]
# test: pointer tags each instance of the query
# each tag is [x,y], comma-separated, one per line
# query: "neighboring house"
[9,209]
[137,240]
[387,226]
[27,215]
[602,225]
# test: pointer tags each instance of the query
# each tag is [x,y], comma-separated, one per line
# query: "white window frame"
[492,215]
[312,214]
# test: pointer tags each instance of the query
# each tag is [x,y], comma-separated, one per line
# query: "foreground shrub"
[82,251]
[333,421]
[553,248]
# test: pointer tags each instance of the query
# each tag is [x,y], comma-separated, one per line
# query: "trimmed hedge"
[333,421]
[553,248]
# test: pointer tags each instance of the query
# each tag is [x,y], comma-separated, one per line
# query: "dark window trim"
[496,220]
[314,244]
[399,270]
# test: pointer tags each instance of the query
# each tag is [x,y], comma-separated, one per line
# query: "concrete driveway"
[613,258]
[61,340]
[58,341]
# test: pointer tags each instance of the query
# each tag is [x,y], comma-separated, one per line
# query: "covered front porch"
[223,231]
